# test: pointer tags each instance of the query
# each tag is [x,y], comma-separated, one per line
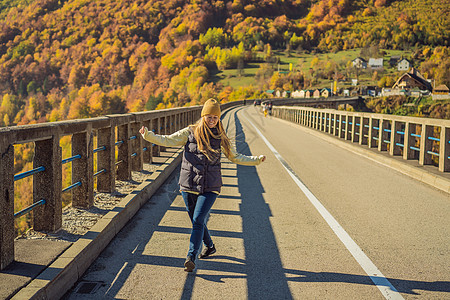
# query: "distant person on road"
[269,108]
[200,177]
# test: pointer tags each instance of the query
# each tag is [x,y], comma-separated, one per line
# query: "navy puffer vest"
[198,173]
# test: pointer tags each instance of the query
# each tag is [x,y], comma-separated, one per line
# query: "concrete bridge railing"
[423,139]
[119,151]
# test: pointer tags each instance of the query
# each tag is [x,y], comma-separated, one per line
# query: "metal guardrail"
[424,139]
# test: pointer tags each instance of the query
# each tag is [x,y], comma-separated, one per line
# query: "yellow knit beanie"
[211,107]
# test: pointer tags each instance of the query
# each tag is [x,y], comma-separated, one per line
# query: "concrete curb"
[417,172]
[64,272]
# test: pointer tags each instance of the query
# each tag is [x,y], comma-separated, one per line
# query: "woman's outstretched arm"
[178,138]
[245,160]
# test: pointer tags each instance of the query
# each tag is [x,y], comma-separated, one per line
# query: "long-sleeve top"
[180,138]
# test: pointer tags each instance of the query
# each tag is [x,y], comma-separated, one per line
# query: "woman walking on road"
[200,177]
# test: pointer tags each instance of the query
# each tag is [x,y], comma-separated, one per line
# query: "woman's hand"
[263,158]
[142,130]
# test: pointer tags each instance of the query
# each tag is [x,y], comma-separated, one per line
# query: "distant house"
[278,94]
[316,93]
[302,93]
[271,92]
[412,79]
[326,92]
[285,94]
[296,94]
[411,83]
[346,93]
[441,92]
[376,63]
[404,65]
[359,63]
[309,94]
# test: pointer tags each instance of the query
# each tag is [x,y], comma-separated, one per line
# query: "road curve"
[273,242]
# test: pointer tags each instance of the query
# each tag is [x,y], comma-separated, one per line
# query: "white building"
[404,65]
[376,63]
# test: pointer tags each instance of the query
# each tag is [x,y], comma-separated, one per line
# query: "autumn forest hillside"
[66,59]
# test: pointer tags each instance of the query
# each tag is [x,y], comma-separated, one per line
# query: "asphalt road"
[340,226]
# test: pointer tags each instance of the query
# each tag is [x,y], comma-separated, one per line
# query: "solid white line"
[386,288]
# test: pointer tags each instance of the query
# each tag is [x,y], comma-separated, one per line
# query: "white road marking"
[386,288]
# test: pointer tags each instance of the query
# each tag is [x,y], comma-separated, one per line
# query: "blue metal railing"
[434,139]
[100,172]
[102,148]
[72,158]
[414,148]
[28,173]
[118,143]
[78,183]
[29,208]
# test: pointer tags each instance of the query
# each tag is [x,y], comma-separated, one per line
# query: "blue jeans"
[198,207]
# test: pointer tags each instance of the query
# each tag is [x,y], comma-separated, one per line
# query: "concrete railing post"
[383,125]
[47,185]
[355,129]
[106,182]
[425,145]
[147,154]
[7,233]
[344,126]
[332,124]
[444,150]
[348,127]
[396,138]
[124,152]
[155,129]
[82,169]
[324,122]
[317,120]
[409,141]
[364,131]
[339,125]
[178,122]
[137,162]
[163,130]
[335,123]
[370,140]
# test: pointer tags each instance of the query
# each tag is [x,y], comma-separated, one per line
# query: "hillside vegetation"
[64,59]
